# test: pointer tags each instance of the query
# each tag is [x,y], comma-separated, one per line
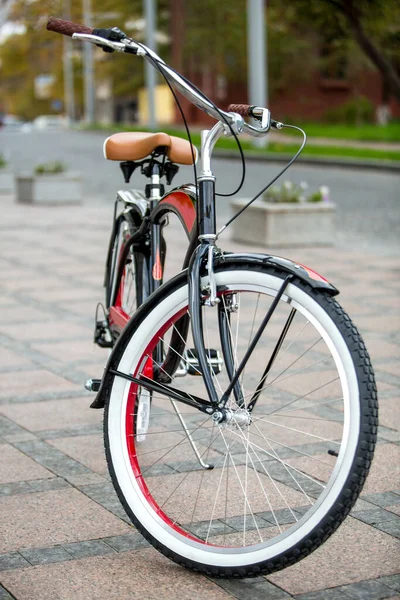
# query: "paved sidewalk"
[63,533]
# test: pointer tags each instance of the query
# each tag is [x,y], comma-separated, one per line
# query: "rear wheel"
[124,288]
[282,477]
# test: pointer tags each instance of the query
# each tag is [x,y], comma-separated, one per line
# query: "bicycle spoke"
[264,420]
[274,468]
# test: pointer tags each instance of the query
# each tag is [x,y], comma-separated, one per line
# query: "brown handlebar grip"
[241,109]
[66,27]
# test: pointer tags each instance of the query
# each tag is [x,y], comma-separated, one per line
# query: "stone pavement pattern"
[64,534]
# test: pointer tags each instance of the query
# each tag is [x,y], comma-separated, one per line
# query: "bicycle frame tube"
[156,266]
[207,235]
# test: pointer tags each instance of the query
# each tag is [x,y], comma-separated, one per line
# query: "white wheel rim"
[156,526]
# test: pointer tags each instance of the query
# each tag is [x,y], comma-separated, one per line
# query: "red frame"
[180,203]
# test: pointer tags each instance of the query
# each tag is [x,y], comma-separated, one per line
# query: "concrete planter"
[59,188]
[7,184]
[284,224]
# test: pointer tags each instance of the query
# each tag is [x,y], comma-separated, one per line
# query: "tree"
[38,51]
[373,24]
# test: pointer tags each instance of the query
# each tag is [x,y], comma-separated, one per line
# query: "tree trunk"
[387,70]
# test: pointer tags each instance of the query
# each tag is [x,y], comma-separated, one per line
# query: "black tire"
[320,476]
[126,279]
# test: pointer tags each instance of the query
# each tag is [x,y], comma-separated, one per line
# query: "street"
[368,201]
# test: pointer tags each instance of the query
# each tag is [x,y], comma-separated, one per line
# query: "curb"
[323,161]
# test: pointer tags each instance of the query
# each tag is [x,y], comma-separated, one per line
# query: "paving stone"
[33,382]
[202,529]
[376,516]
[73,350]
[43,397]
[42,556]
[54,414]
[20,314]
[362,505]
[393,369]
[44,485]
[392,581]
[394,509]
[105,495]
[379,348]
[8,358]
[15,466]
[284,516]
[52,458]
[4,595]
[20,437]
[8,427]
[86,449]
[390,435]
[50,434]
[382,374]
[143,575]
[355,552]
[60,516]
[19,487]
[78,430]
[390,527]
[249,590]
[49,330]
[330,594]
[385,469]
[82,480]
[389,412]
[123,543]
[368,590]
[88,548]
[12,560]
[383,500]
[252,522]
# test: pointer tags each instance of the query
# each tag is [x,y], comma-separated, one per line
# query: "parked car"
[49,122]
[12,123]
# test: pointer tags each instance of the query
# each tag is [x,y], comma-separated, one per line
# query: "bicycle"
[240,401]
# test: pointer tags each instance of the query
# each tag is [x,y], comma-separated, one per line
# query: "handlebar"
[67,27]
[242,109]
[114,39]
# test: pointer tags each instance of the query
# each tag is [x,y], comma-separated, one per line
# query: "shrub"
[356,111]
[293,192]
[50,168]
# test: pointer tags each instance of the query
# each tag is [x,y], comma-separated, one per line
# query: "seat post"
[155,188]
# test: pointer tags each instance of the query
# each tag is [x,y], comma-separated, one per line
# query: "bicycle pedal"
[93,385]
[213,358]
[102,336]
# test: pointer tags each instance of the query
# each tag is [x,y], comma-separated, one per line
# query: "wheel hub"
[240,417]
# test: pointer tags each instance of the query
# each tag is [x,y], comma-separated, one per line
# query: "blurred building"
[334,87]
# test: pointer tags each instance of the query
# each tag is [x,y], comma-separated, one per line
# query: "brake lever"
[127,45]
[264,116]
[99,41]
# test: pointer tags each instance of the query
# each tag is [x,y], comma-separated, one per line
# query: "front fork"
[204,256]
[156,263]
[199,297]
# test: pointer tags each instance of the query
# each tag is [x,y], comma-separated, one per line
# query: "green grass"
[275,147]
[363,133]
[337,151]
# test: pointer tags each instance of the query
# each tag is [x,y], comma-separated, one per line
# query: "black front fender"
[307,275]
[304,273]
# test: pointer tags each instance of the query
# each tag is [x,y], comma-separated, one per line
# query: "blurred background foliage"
[350,35]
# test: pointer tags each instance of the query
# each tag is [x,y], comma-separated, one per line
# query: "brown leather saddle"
[133,146]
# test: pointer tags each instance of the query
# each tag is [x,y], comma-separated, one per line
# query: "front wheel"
[262,489]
